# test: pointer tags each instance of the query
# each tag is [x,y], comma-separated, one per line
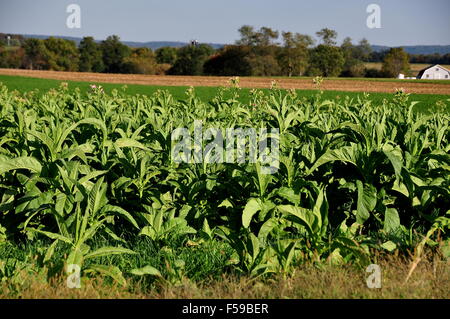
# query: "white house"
[434,72]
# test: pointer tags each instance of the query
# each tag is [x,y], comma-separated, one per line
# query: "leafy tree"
[294,56]
[263,37]
[36,54]
[247,33]
[62,54]
[364,50]
[229,61]
[326,60]
[191,59]
[91,57]
[396,62]
[263,65]
[328,36]
[141,61]
[114,54]
[12,58]
[167,55]
[353,65]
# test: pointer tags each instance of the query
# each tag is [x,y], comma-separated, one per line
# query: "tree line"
[262,52]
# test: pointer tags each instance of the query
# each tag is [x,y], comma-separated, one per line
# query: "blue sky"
[404,22]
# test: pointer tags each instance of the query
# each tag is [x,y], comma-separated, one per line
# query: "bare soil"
[246,82]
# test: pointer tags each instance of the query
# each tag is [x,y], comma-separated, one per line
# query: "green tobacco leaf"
[128,142]
[367,200]
[50,251]
[389,246]
[111,271]
[146,270]
[344,154]
[266,228]
[300,215]
[290,195]
[52,235]
[394,154]
[75,257]
[29,163]
[251,208]
[391,220]
[106,251]
[121,212]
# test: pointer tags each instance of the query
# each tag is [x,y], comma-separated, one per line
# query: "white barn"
[434,72]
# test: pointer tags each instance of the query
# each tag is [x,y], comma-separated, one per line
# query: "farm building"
[434,72]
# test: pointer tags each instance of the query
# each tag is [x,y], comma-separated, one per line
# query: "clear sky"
[403,22]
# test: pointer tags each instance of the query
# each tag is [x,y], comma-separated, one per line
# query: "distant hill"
[418,49]
[412,49]
[151,44]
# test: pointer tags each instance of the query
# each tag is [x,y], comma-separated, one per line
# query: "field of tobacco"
[88,185]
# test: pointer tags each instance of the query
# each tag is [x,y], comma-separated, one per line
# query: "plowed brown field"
[247,82]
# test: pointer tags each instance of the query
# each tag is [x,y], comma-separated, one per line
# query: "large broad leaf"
[111,271]
[148,231]
[266,228]
[391,220]
[251,208]
[52,235]
[367,200]
[75,257]
[345,154]
[29,163]
[97,196]
[299,215]
[121,212]
[320,210]
[290,195]
[146,270]
[394,154]
[128,142]
[106,251]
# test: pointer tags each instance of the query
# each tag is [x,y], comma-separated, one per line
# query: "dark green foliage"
[326,61]
[114,54]
[191,59]
[91,56]
[395,62]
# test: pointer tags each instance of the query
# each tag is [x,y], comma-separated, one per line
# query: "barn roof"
[421,72]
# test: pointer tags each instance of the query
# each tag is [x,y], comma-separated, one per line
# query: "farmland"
[86,179]
[298,83]
[415,67]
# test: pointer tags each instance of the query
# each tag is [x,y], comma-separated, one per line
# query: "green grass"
[427,102]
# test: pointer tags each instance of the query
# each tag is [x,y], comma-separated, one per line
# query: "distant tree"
[328,36]
[36,54]
[62,54]
[378,56]
[396,62]
[326,60]
[229,61]
[266,36]
[293,58]
[114,54]
[263,37]
[191,59]
[91,57]
[167,55]
[12,58]
[248,37]
[263,65]
[140,61]
[353,55]
[364,50]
